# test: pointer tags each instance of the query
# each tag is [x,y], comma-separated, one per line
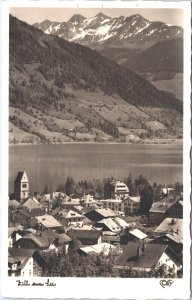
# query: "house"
[162,209]
[113,204]
[86,237]
[176,210]
[121,222]
[46,204]
[13,236]
[170,232]
[108,225]
[44,241]
[96,215]
[48,222]
[69,217]
[68,203]
[20,216]
[104,248]
[87,201]
[25,262]
[170,225]
[121,190]
[146,256]
[132,205]
[111,238]
[21,186]
[33,207]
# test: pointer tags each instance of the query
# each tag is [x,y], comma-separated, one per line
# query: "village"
[46,229]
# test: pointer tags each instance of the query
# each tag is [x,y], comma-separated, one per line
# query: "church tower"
[21,188]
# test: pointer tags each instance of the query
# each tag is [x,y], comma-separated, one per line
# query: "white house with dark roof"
[146,256]
[25,262]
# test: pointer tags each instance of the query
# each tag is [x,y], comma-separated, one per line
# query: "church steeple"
[21,188]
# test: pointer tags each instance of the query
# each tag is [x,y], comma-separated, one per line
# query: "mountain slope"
[101,31]
[161,64]
[64,91]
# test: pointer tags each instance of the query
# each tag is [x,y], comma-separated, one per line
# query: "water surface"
[52,164]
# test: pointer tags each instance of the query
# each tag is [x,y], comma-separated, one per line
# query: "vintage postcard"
[95,149]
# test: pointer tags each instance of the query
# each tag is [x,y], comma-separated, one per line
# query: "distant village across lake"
[126,229]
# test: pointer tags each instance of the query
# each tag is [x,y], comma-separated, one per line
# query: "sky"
[32,15]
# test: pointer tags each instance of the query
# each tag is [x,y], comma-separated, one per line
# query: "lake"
[52,164]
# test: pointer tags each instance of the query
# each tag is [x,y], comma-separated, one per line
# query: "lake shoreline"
[150,143]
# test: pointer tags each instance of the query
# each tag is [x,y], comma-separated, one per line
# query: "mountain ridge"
[62,90]
[101,30]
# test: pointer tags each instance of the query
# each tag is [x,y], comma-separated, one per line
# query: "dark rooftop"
[92,234]
[148,258]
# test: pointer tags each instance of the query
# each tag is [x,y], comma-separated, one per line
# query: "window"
[24,185]
[29,272]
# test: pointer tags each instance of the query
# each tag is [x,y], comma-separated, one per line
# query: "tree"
[131,186]
[46,189]
[146,199]
[108,188]
[69,186]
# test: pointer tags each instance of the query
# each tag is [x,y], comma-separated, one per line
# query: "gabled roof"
[30,203]
[173,228]
[170,224]
[13,203]
[138,234]
[92,234]
[97,249]
[25,213]
[20,254]
[48,221]
[163,206]
[63,238]
[110,224]
[23,255]
[122,223]
[136,199]
[106,213]
[68,214]
[20,176]
[148,258]
[40,241]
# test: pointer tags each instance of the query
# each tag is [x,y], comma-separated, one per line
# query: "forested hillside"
[63,91]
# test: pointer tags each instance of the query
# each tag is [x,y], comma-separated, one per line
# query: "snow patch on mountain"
[101,28]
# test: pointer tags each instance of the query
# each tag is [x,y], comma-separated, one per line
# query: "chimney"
[172,221]
[138,252]
[177,231]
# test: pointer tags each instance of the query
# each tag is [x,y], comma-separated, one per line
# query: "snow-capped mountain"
[102,30]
